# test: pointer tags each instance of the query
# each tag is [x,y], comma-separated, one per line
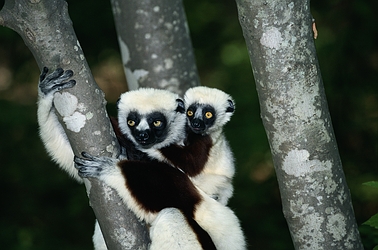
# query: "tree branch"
[155,44]
[316,199]
[47,30]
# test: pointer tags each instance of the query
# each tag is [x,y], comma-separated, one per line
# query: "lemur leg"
[51,131]
[98,238]
[170,230]
[220,223]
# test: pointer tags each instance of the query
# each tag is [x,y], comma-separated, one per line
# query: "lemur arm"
[51,131]
[192,157]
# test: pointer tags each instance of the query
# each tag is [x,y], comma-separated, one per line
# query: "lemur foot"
[54,82]
[92,166]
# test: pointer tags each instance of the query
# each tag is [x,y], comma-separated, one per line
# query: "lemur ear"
[231,106]
[180,106]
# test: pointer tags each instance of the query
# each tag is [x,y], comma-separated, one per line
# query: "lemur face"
[149,129]
[208,109]
[200,117]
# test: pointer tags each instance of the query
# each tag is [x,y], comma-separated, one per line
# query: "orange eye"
[209,115]
[157,123]
[189,113]
[130,123]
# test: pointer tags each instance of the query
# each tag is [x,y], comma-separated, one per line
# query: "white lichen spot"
[76,48]
[158,68]
[126,238]
[291,5]
[168,63]
[89,115]
[138,26]
[125,52]
[156,8]
[167,84]
[314,236]
[169,26]
[65,103]
[110,148]
[81,107]
[147,36]
[108,192]
[255,23]
[336,226]
[97,132]
[131,80]
[75,122]
[271,38]
[140,74]
[82,57]
[78,43]
[297,163]
[154,56]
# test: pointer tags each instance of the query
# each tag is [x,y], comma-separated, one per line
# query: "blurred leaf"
[373,221]
[373,184]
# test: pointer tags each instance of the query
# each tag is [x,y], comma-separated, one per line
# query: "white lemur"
[190,201]
[207,158]
[151,119]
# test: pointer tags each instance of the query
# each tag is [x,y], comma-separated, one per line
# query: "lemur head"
[151,118]
[207,109]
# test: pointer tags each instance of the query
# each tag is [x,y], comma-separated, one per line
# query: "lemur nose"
[196,123]
[143,136]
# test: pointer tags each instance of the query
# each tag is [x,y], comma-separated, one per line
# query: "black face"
[201,117]
[153,132]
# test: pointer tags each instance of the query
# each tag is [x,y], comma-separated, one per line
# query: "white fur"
[53,136]
[148,100]
[171,231]
[216,178]
[220,223]
[98,238]
[216,219]
[214,97]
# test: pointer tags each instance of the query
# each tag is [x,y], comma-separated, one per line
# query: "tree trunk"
[47,30]
[155,44]
[315,197]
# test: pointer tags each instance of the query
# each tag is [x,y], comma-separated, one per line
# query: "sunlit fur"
[216,178]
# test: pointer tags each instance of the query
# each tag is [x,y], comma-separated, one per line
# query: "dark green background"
[42,208]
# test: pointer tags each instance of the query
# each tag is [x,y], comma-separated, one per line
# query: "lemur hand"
[92,166]
[54,82]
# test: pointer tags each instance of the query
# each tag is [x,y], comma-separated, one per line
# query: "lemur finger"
[43,74]
[87,155]
[64,85]
[54,75]
[80,161]
[86,172]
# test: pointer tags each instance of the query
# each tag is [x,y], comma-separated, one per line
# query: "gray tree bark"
[155,44]
[315,196]
[47,30]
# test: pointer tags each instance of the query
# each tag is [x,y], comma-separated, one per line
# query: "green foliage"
[373,184]
[373,221]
